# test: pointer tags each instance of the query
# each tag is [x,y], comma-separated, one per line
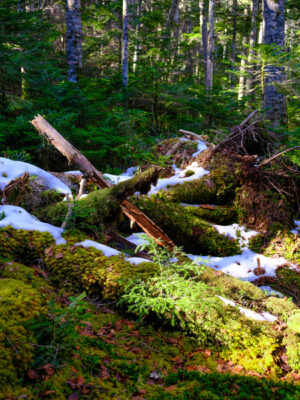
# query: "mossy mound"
[88,269]
[185,229]
[18,303]
[23,246]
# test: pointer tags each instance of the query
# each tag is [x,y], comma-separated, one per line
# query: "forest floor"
[84,317]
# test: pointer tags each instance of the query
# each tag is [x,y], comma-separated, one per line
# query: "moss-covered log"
[185,229]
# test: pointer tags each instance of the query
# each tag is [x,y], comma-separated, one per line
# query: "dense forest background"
[114,76]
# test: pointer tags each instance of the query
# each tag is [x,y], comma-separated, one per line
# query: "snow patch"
[179,177]
[236,232]
[19,218]
[270,292]
[136,260]
[297,229]
[242,266]
[264,316]
[10,169]
[77,172]
[106,250]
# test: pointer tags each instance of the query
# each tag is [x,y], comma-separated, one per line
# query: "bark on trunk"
[137,41]
[203,30]
[274,101]
[234,10]
[74,156]
[210,46]
[172,12]
[252,42]
[73,39]
[125,44]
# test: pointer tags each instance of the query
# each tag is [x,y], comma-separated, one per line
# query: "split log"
[74,156]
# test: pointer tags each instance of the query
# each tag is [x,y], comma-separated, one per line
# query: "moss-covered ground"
[56,343]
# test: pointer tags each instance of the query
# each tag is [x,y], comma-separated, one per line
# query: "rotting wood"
[74,156]
[14,184]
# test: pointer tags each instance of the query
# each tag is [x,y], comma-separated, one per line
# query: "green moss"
[291,342]
[195,235]
[195,385]
[18,303]
[288,282]
[243,292]
[24,246]
[219,215]
[281,307]
[88,269]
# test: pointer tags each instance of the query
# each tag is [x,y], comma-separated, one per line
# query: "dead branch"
[267,161]
[74,156]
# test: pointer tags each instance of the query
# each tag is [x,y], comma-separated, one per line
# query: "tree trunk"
[242,69]
[73,39]
[203,30]
[210,46]
[137,30]
[252,42]
[172,12]
[233,45]
[125,45]
[274,101]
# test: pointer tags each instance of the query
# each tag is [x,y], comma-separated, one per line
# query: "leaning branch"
[74,156]
[267,161]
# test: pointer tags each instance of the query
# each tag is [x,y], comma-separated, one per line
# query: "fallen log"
[74,156]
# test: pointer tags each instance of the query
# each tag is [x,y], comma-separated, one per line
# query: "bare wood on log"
[276,155]
[194,136]
[74,156]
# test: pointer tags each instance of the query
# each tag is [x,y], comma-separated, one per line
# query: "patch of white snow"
[19,218]
[136,260]
[106,250]
[264,316]
[10,169]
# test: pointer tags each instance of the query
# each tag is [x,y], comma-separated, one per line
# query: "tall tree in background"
[252,42]
[73,39]
[125,44]
[274,101]
[137,39]
[210,46]
[203,31]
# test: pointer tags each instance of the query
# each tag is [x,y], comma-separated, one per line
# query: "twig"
[149,348]
[276,155]
[70,206]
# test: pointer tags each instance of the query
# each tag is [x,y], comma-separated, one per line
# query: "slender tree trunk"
[125,43]
[73,39]
[252,42]
[210,46]
[203,30]
[242,69]
[274,101]
[233,45]
[137,30]
[172,12]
